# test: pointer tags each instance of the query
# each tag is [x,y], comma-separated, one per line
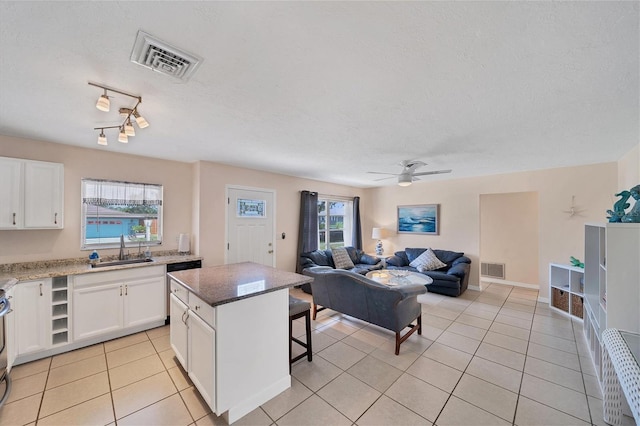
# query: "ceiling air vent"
[160,56]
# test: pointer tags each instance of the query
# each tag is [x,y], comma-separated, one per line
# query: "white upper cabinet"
[32,194]
[10,193]
[43,194]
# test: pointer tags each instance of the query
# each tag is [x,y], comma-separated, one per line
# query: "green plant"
[138,228]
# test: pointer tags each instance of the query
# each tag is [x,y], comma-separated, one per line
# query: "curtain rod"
[333,197]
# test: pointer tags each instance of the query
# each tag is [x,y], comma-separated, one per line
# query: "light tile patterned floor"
[492,357]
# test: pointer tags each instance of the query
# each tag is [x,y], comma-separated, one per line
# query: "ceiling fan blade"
[384,178]
[435,172]
[383,173]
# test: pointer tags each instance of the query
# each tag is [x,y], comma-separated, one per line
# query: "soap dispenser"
[94,257]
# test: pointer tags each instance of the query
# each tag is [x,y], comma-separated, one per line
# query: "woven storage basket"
[560,299]
[576,306]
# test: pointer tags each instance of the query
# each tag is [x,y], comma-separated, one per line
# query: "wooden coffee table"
[389,277]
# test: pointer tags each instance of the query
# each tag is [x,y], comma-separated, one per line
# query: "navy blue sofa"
[393,308]
[451,280]
[363,263]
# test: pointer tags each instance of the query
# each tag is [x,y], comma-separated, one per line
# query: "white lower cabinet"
[32,308]
[97,310]
[178,329]
[202,357]
[10,328]
[144,300]
[110,301]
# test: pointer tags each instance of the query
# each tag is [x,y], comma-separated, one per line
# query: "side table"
[620,374]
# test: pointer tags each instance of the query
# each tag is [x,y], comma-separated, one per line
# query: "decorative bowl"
[400,273]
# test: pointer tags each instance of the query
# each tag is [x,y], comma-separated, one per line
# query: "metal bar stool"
[297,309]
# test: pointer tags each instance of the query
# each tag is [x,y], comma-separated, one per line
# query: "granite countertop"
[217,285]
[13,273]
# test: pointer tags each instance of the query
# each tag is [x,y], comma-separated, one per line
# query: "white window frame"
[137,193]
[347,221]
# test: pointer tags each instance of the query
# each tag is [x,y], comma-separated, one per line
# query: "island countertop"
[217,285]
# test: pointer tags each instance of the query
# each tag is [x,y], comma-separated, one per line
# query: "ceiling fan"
[408,173]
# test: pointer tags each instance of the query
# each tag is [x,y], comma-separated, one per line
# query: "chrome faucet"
[121,255]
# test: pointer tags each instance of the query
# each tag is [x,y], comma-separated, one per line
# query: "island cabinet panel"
[202,358]
[178,330]
[237,320]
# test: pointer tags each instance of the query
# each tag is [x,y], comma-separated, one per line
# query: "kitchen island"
[230,332]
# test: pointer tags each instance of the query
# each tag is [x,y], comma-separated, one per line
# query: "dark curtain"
[356,233]
[308,232]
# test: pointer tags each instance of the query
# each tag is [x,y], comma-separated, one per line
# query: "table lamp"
[376,234]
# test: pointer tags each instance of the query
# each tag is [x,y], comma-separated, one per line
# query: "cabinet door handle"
[126,290]
[270,251]
[120,290]
[186,313]
[55,218]
[14,218]
[197,307]
[40,289]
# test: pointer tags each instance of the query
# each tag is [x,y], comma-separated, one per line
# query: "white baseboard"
[507,282]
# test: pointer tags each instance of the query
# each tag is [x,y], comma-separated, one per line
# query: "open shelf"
[59,311]
[566,289]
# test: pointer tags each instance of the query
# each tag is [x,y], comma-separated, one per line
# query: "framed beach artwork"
[419,219]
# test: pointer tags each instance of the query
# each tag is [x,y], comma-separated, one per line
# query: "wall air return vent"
[160,56]
[493,270]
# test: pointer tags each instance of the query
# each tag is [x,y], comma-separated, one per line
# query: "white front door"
[250,225]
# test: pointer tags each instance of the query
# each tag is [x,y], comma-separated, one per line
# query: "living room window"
[334,223]
[112,208]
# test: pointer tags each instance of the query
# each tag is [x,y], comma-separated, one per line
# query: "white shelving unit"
[611,282]
[566,289]
[59,311]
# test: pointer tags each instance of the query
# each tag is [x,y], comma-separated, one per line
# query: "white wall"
[509,234]
[560,236]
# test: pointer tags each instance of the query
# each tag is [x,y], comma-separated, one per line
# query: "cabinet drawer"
[202,309]
[119,275]
[180,292]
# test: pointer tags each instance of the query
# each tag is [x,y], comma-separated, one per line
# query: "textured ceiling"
[331,90]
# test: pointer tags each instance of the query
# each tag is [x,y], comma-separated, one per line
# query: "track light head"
[128,128]
[103,102]
[142,123]
[122,137]
[102,139]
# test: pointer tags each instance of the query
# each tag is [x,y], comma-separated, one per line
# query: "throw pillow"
[427,261]
[341,258]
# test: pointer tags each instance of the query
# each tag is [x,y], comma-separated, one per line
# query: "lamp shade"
[142,123]
[122,137]
[128,128]
[102,139]
[376,233]
[103,103]
[405,179]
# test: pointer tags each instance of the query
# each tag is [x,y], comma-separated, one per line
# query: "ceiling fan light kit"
[126,129]
[408,173]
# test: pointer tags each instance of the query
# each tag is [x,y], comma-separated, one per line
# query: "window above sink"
[114,208]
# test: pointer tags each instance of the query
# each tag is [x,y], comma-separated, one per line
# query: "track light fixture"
[126,128]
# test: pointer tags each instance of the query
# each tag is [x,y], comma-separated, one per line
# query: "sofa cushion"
[341,258]
[448,256]
[427,261]
[319,257]
[413,253]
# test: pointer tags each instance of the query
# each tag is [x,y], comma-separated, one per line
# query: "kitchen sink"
[121,262]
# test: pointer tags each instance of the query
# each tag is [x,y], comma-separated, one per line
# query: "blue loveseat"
[393,308]
[451,280]
[362,262]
